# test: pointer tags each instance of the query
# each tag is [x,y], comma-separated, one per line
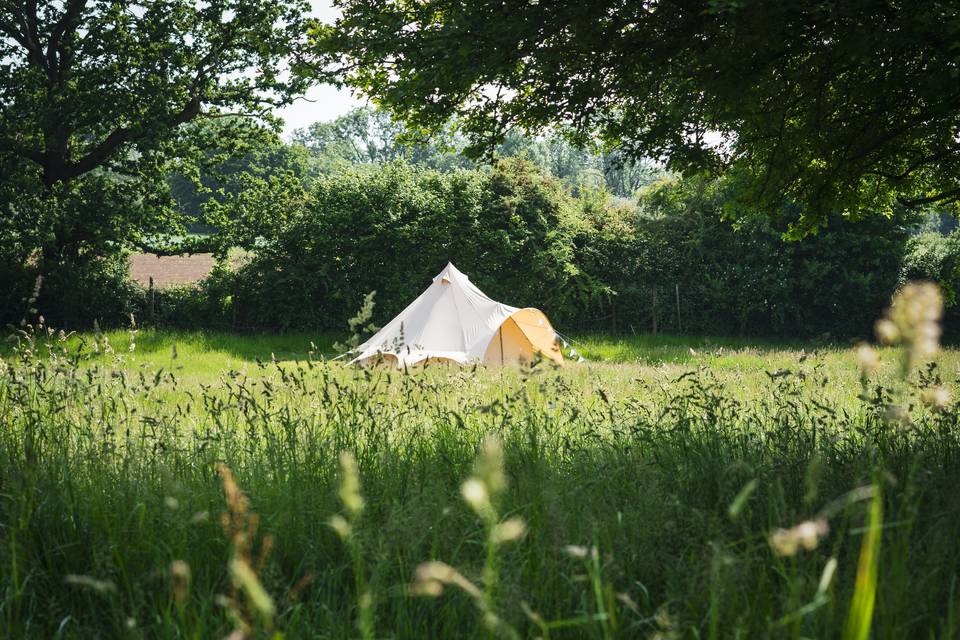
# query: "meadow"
[204,485]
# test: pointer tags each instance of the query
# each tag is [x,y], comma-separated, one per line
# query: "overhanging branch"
[99,154]
[950,195]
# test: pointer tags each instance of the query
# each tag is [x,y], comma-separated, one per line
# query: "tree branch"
[11,146]
[25,35]
[31,23]
[55,48]
[100,153]
[944,196]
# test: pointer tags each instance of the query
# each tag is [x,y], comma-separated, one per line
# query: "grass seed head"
[867,358]
[937,397]
[436,571]
[350,484]
[245,578]
[509,530]
[913,320]
[806,535]
[339,524]
[576,551]
[490,466]
[475,494]
[179,581]
[94,584]
[482,490]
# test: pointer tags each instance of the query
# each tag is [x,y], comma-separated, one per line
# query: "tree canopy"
[95,102]
[845,108]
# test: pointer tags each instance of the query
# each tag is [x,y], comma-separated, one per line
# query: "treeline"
[351,207]
[366,136]
[668,261]
[590,262]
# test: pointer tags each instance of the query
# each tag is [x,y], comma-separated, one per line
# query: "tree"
[365,135]
[370,136]
[362,135]
[844,108]
[225,172]
[95,97]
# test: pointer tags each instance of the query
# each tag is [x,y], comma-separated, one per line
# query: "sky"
[323,102]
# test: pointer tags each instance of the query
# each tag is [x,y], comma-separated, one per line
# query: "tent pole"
[500,333]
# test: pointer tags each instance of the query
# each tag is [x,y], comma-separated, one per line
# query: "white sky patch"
[322,102]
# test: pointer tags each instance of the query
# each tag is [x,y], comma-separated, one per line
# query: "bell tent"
[453,321]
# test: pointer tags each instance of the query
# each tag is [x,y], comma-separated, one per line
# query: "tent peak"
[449,274]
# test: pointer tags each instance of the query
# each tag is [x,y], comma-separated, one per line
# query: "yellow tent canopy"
[524,334]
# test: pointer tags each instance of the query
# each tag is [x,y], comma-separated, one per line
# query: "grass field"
[743,365]
[203,485]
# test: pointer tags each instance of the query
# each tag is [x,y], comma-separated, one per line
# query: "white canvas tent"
[453,321]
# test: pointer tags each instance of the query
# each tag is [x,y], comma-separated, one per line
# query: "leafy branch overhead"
[842,108]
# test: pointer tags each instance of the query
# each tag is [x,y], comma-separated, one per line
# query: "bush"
[590,262]
[391,228]
[208,305]
[74,297]
[935,257]
[736,278]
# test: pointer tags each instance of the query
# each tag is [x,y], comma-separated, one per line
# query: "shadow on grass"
[158,343]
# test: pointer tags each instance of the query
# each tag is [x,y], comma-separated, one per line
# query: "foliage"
[205,192]
[98,99]
[935,257]
[843,108]
[94,291]
[581,167]
[740,277]
[365,135]
[360,326]
[371,136]
[207,304]
[591,262]
[391,228]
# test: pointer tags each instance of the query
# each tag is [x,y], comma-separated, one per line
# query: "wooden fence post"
[654,311]
[613,316]
[152,302]
[679,325]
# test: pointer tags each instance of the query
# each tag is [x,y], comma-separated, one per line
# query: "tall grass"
[530,503]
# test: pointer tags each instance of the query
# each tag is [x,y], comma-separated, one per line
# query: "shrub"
[737,277]
[391,228]
[208,305]
[591,262]
[935,257]
[73,297]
